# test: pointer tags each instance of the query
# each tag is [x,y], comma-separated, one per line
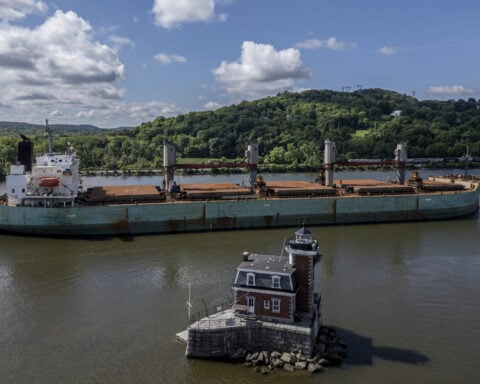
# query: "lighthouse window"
[266,304]
[250,279]
[276,305]
[13,190]
[275,281]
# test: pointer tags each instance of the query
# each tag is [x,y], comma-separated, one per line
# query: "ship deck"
[144,194]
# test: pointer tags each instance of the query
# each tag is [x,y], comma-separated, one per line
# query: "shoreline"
[261,169]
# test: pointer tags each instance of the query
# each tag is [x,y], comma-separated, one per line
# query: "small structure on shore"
[275,309]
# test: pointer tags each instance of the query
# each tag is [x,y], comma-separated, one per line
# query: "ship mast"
[329,161]
[400,161]
[48,133]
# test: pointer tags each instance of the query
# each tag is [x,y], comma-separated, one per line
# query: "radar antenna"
[48,133]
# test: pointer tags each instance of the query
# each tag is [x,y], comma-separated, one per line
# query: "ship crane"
[170,164]
[399,162]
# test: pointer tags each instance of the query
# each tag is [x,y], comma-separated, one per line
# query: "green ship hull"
[210,215]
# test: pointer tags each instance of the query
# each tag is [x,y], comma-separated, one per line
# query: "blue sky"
[120,63]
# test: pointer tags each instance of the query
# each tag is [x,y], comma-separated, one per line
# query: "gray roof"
[303,231]
[267,263]
[264,267]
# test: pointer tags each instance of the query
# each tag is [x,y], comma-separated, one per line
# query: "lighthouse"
[303,254]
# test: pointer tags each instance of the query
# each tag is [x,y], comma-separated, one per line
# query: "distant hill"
[14,127]
[292,126]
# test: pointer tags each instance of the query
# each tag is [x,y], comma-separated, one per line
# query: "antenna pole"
[466,163]
[49,137]
[189,304]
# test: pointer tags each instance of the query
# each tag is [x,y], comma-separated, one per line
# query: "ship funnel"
[25,153]
[329,161]
[251,157]
[400,161]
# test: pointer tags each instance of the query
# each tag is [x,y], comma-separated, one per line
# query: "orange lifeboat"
[49,182]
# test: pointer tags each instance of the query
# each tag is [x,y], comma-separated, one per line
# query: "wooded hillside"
[290,129]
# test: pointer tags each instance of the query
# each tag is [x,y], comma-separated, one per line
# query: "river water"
[106,310]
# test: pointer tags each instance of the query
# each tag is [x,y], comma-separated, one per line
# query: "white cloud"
[388,51]
[212,105]
[330,43]
[223,17]
[173,13]
[130,112]
[19,9]
[166,58]
[118,42]
[57,61]
[153,109]
[55,113]
[261,70]
[451,90]
[60,70]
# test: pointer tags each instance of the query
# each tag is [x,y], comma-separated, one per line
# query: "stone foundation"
[223,341]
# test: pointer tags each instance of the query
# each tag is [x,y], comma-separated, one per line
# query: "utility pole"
[413,99]
[466,163]
[48,133]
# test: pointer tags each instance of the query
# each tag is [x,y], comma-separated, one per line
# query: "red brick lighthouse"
[303,255]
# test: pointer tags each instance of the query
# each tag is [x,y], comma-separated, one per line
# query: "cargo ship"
[45,197]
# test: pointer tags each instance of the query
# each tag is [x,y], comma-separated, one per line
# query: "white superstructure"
[53,181]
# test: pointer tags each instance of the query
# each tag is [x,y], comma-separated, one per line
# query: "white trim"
[264,291]
[266,272]
[237,276]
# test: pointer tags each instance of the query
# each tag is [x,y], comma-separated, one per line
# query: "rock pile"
[330,350]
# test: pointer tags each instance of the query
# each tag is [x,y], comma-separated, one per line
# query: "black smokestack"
[25,153]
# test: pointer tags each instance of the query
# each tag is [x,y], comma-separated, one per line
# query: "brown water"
[406,298]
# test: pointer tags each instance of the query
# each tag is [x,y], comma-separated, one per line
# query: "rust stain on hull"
[121,227]
[184,224]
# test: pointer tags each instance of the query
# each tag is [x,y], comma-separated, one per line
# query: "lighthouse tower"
[303,255]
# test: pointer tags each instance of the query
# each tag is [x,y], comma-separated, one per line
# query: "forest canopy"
[289,127]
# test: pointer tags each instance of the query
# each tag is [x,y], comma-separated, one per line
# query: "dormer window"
[275,281]
[250,279]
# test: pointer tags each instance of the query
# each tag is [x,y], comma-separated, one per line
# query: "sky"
[117,63]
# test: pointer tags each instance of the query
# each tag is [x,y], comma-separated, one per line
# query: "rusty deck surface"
[295,184]
[294,188]
[123,190]
[211,187]
[361,182]
[213,190]
[384,188]
[277,188]
[432,185]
